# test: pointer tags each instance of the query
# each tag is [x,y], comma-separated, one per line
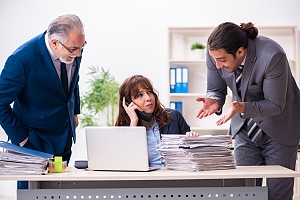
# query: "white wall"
[130,37]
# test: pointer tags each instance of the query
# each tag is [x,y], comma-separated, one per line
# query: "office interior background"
[130,37]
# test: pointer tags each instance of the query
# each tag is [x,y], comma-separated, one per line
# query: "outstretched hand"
[236,107]
[210,106]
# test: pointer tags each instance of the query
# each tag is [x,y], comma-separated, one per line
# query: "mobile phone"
[141,115]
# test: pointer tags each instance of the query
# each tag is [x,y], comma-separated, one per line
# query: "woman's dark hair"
[231,37]
[130,89]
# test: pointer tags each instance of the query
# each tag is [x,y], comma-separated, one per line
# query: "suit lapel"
[248,68]
[49,66]
[47,63]
[230,80]
[75,75]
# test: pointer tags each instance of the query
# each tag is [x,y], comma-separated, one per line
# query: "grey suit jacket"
[268,89]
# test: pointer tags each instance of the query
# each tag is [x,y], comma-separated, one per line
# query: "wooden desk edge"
[241,172]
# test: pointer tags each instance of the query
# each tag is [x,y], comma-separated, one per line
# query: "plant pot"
[198,54]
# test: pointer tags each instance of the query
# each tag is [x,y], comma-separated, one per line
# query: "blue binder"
[172,80]
[178,80]
[185,80]
[23,150]
[176,105]
[172,105]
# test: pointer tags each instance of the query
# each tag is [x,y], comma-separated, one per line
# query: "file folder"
[21,160]
[176,105]
[172,80]
[37,155]
[185,80]
[178,80]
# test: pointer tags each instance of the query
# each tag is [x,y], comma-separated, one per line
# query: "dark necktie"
[238,78]
[64,77]
[253,130]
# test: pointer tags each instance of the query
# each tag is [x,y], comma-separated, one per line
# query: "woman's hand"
[130,110]
[192,134]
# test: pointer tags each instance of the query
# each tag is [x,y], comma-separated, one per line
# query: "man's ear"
[240,50]
[53,43]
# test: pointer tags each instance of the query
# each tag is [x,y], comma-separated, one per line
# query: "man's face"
[67,51]
[227,61]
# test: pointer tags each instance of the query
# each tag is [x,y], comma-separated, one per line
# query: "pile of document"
[20,160]
[203,153]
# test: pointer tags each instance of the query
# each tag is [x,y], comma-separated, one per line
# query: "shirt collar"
[155,124]
[52,54]
[243,63]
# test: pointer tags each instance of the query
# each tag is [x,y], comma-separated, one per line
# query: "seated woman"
[137,93]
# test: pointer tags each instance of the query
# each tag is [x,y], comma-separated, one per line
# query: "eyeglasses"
[73,50]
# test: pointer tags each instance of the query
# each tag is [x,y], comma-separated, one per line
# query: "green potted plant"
[197,46]
[99,105]
[198,51]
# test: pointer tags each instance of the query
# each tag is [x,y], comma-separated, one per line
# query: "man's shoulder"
[29,45]
[267,44]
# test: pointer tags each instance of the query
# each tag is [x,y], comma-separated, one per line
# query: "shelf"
[187,62]
[187,94]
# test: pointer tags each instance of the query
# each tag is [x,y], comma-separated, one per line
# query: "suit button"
[67,121]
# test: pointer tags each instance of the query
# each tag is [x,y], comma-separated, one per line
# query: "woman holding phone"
[139,106]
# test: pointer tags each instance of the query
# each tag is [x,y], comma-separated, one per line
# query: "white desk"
[161,184]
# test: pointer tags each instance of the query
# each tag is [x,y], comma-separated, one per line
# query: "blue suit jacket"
[41,110]
[177,124]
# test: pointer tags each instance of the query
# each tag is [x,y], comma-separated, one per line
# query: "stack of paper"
[20,160]
[203,153]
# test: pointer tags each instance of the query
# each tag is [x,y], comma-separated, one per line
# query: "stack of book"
[203,153]
[20,160]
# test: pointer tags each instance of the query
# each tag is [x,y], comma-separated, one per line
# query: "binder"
[176,105]
[178,80]
[172,105]
[25,151]
[21,160]
[185,80]
[172,80]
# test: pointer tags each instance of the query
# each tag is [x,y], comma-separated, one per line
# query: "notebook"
[117,148]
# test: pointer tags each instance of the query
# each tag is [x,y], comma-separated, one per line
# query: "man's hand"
[210,106]
[236,107]
[76,122]
[24,142]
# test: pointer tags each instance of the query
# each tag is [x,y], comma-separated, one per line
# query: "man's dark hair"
[231,37]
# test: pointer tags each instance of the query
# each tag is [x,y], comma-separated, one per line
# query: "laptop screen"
[121,148]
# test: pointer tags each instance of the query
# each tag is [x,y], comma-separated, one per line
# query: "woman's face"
[145,100]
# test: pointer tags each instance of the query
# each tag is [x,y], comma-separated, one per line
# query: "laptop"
[117,148]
